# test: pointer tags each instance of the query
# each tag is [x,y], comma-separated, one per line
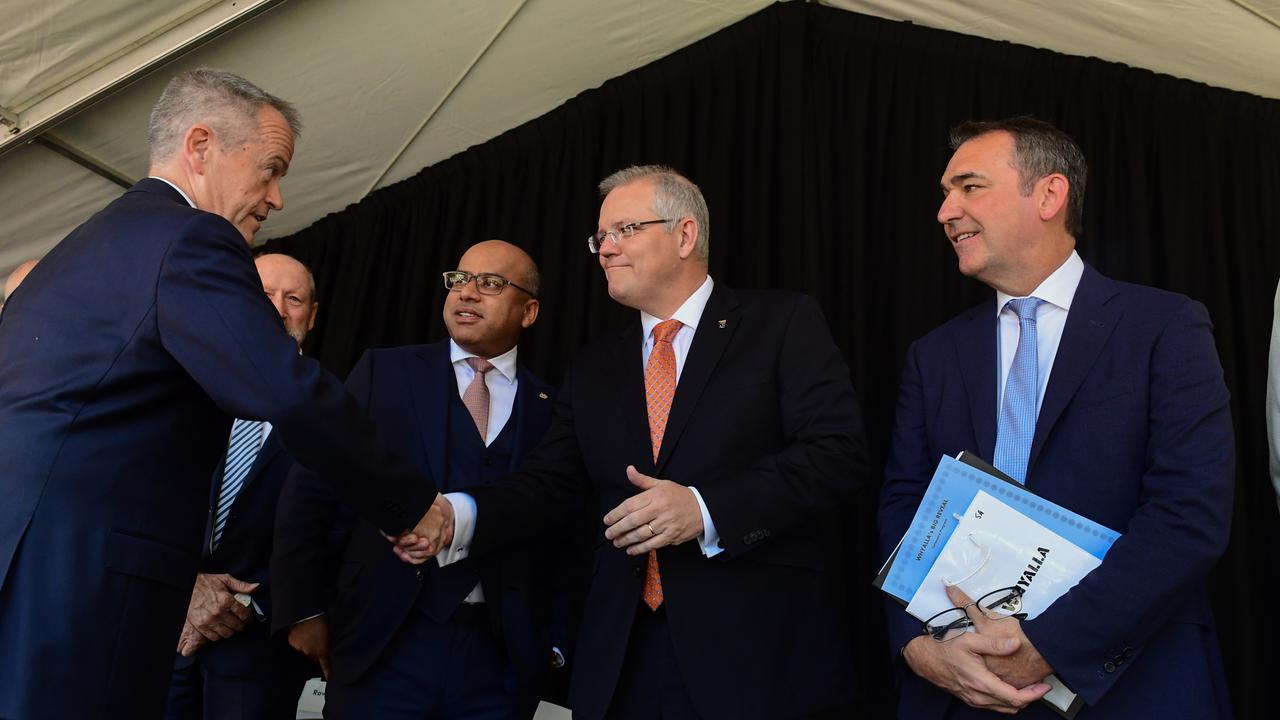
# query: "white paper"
[995,546]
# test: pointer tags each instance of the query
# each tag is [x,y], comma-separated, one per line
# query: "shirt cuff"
[464,527]
[709,540]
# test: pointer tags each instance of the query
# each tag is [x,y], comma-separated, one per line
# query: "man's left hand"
[214,612]
[664,513]
[1023,667]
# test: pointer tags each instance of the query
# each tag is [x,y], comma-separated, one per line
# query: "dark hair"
[1039,149]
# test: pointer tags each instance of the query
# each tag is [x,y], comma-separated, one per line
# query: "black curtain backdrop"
[818,137]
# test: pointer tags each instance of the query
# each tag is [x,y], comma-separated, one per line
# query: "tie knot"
[1025,307]
[665,331]
[480,365]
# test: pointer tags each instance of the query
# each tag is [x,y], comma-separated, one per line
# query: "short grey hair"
[674,196]
[1039,149]
[224,101]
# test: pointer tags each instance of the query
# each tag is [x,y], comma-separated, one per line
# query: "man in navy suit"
[476,639]
[716,435]
[1104,397]
[229,666]
[123,358]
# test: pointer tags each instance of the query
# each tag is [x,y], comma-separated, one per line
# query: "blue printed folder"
[953,487]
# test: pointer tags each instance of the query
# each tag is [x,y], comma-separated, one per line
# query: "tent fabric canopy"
[387,87]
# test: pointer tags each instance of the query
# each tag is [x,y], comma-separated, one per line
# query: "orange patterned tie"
[659,391]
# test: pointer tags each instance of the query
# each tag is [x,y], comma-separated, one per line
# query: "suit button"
[1128,653]
[488,462]
[1109,666]
[637,571]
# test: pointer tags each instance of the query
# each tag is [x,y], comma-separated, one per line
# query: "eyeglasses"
[953,622]
[596,240]
[486,283]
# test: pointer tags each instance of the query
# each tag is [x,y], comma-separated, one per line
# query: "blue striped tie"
[1018,412]
[246,440]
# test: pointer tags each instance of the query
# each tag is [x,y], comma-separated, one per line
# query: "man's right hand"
[432,534]
[311,638]
[958,666]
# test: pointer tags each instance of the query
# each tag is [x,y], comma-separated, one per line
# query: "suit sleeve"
[544,493]
[1177,533]
[311,530]
[215,321]
[825,456]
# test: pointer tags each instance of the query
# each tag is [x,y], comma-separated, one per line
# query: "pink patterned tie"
[659,391]
[476,396]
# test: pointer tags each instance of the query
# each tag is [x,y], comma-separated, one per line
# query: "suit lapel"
[529,407]
[1089,324]
[709,343]
[628,368]
[431,380]
[976,347]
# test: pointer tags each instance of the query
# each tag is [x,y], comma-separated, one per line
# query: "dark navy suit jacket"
[766,425]
[407,391]
[244,552]
[1134,432]
[123,358]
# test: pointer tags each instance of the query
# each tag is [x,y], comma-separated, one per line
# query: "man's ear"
[197,144]
[1051,197]
[687,231]
[530,313]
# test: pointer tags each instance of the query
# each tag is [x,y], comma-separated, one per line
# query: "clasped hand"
[432,534]
[214,612]
[996,668]
[663,513]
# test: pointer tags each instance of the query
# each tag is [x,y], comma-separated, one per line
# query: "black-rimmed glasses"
[596,240]
[486,283]
[953,622]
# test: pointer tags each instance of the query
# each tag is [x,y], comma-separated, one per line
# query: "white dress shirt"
[689,313]
[1056,291]
[502,384]
[175,187]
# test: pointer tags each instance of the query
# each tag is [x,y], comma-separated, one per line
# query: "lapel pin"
[722,323]
[542,395]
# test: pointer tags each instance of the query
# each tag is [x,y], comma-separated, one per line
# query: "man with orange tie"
[713,434]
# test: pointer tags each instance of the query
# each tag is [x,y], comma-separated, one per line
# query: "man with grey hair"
[714,434]
[122,361]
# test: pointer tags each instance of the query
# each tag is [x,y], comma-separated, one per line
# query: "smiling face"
[242,179]
[645,271]
[490,325]
[994,229]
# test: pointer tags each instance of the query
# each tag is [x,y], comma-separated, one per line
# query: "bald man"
[228,666]
[474,640]
[15,279]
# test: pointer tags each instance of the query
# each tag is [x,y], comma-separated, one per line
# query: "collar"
[688,313]
[505,363]
[175,187]
[1057,289]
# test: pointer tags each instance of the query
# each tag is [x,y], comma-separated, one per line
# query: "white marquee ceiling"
[387,87]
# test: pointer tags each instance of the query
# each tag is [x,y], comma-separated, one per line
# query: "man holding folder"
[1104,397]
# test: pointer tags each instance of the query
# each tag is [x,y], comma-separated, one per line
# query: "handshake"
[432,534]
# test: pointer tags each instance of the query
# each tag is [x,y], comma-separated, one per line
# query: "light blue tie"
[1018,413]
[246,440]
